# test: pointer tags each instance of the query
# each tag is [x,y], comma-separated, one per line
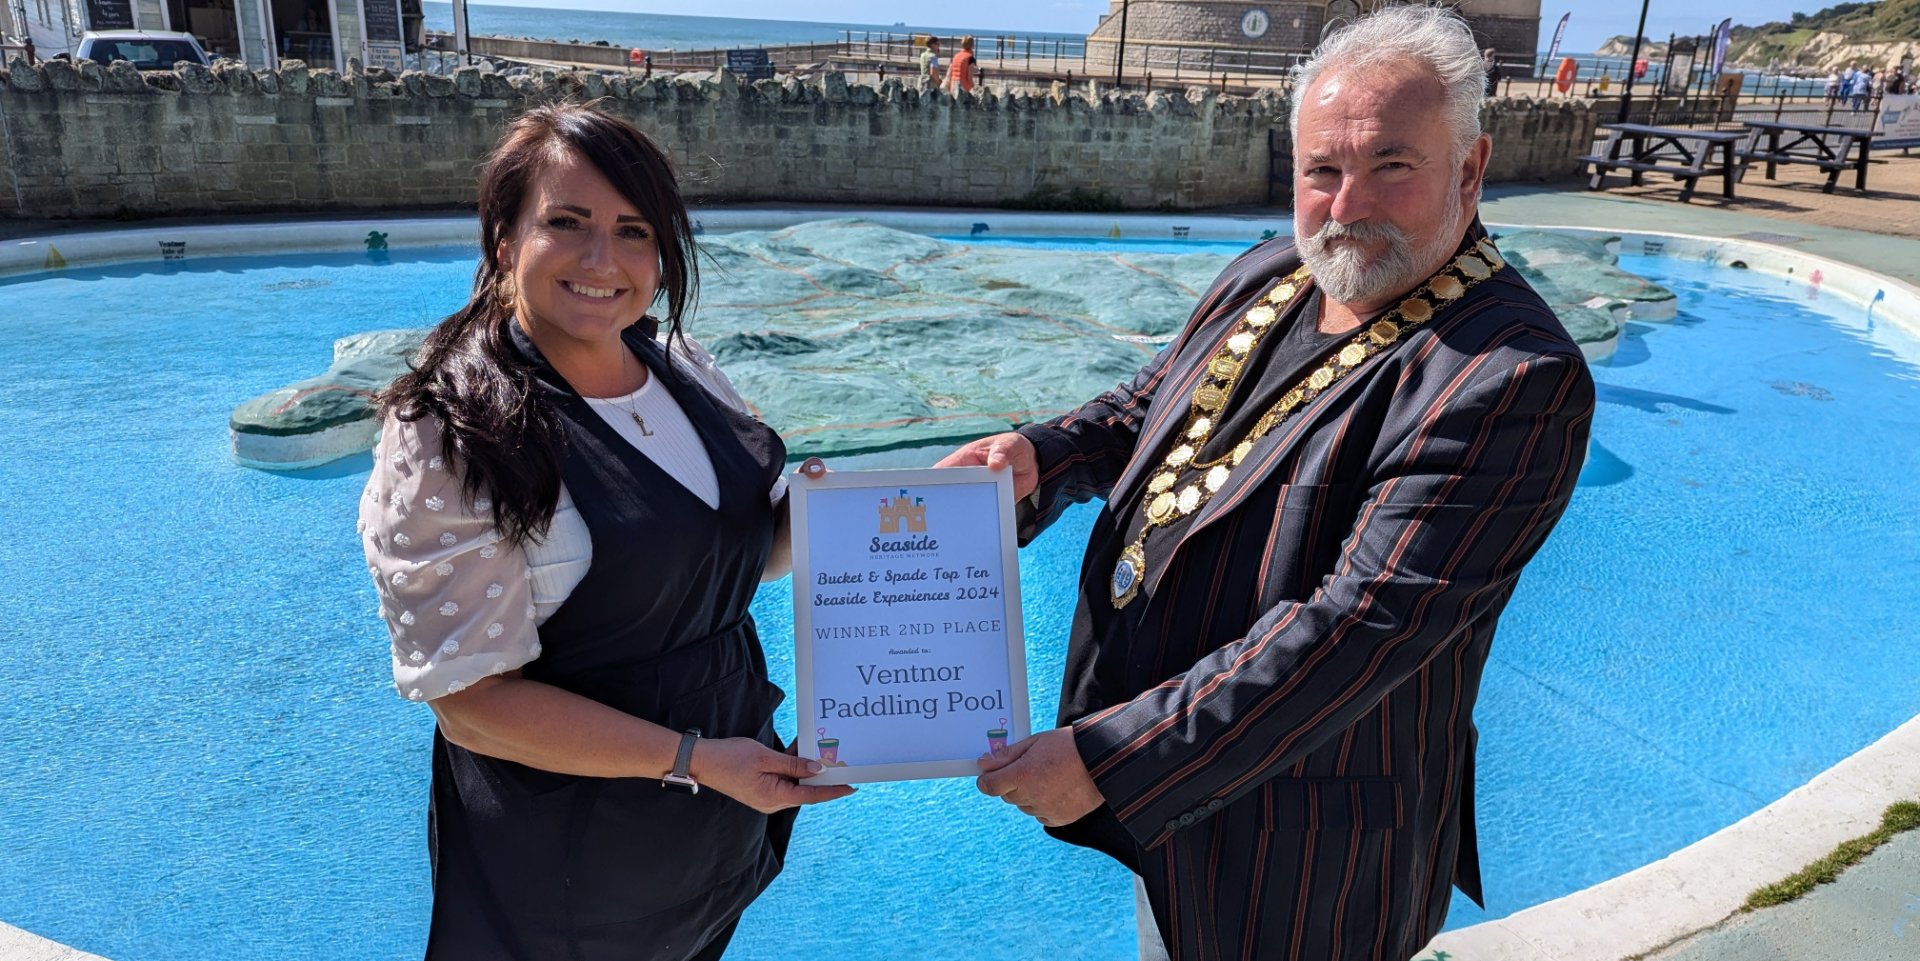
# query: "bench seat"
[1650,168]
[1824,163]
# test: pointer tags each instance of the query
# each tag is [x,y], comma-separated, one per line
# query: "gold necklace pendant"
[1166,504]
[1128,574]
[642,422]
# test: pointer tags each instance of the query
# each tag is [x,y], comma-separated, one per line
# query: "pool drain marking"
[1800,388]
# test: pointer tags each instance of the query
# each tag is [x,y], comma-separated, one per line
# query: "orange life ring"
[636,55]
[1563,81]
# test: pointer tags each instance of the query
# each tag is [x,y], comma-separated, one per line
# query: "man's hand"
[1043,776]
[997,452]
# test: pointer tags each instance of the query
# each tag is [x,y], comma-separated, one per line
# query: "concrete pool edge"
[1706,882]
[19,945]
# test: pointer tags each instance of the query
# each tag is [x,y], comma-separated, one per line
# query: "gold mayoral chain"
[1183,484]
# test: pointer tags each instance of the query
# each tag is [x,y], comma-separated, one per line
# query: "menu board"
[382,19]
[109,14]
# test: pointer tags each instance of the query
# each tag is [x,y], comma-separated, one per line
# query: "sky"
[1593,22]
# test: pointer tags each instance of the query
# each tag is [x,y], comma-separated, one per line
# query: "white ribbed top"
[652,421]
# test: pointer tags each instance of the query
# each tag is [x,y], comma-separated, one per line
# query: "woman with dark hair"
[567,518]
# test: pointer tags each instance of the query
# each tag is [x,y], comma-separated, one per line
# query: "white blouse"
[461,603]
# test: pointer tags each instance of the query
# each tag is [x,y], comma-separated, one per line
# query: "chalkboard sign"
[109,14]
[383,21]
[750,65]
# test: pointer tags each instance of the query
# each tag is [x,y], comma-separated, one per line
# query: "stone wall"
[1537,139]
[88,141]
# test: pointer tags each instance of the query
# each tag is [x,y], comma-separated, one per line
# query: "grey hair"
[1432,36]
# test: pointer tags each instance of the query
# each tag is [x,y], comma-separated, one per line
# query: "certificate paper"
[909,652]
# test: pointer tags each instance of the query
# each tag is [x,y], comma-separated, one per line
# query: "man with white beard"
[1319,498]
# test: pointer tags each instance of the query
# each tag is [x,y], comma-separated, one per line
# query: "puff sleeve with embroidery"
[454,594]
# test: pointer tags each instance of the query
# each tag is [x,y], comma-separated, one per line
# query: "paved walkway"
[1890,206]
[1813,226]
[1872,913]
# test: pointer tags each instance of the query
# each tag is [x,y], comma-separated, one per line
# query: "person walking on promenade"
[930,64]
[1862,88]
[567,519]
[1319,498]
[1492,66]
[961,73]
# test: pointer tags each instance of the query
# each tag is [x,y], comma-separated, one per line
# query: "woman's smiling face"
[585,263]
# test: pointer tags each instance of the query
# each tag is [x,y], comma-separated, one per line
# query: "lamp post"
[1626,95]
[1120,60]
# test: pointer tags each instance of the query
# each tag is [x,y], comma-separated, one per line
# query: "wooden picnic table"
[1685,154]
[1824,147]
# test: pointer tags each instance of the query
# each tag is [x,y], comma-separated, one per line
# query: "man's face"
[1381,200]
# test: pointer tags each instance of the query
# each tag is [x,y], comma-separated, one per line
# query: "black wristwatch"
[679,779]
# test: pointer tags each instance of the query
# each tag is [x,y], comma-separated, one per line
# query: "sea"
[659,31]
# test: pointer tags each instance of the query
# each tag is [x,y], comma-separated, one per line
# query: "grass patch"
[1903,816]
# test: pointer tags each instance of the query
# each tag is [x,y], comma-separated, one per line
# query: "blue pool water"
[200,755]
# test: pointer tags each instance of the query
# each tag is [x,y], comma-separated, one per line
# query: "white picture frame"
[867,624]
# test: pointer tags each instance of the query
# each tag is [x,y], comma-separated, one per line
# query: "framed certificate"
[910,656]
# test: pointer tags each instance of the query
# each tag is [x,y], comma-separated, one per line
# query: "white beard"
[1345,273]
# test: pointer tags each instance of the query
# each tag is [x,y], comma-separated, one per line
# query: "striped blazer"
[1284,734]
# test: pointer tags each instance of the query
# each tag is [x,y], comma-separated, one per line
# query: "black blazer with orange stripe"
[1284,735]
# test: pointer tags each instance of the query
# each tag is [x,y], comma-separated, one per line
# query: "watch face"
[1254,24]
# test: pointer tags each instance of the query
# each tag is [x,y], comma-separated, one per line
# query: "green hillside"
[1885,21]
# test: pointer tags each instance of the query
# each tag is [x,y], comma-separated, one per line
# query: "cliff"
[1849,34]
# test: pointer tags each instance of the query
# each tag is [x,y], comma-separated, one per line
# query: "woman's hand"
[758,776]
[998,452]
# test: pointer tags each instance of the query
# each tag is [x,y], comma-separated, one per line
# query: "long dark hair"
[502,437]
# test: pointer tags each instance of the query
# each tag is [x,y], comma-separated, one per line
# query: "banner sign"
[1558,32]
[1899,116]
[1722,35]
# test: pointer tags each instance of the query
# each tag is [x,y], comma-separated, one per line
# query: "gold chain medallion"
[1208,478]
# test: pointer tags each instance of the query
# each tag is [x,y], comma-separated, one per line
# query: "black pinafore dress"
[530,865]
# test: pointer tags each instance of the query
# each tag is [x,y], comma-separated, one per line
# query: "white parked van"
[145,49]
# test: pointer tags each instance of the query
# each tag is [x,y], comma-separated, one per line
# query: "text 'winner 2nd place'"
[903,587]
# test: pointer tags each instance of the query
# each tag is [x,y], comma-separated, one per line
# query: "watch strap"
[683,758]
[681,777]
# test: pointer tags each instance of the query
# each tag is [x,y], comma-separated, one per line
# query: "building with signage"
[260,33]
[1158,32]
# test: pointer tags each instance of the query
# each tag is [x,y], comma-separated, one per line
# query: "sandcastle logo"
[904,510]
[903,515]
